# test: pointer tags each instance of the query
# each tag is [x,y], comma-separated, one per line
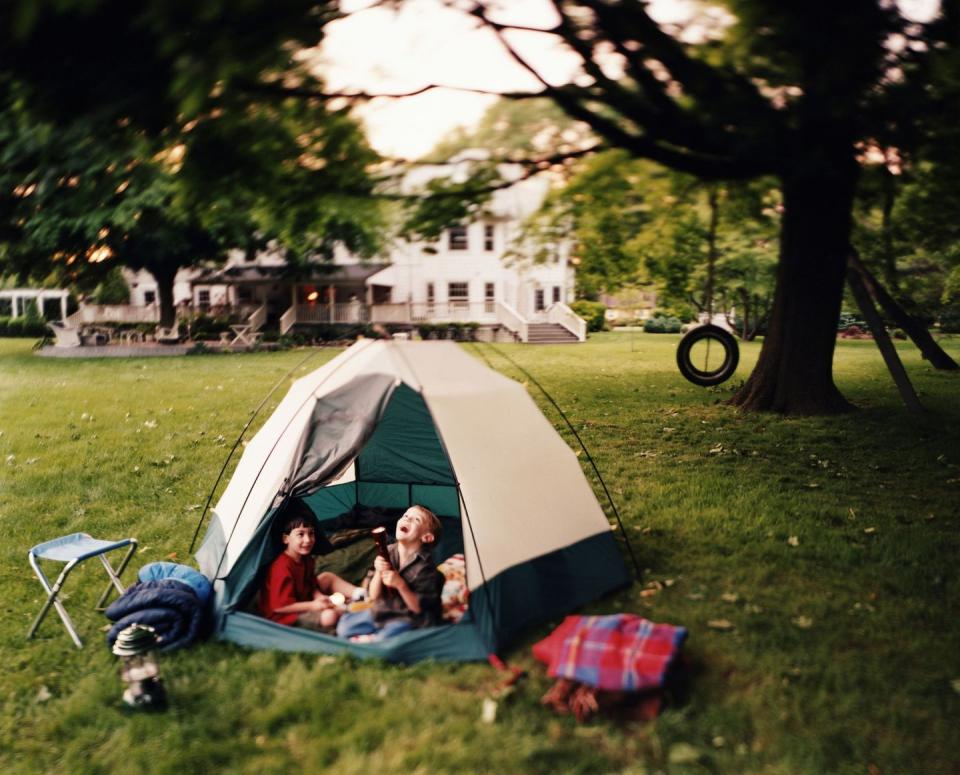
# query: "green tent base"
[549,581]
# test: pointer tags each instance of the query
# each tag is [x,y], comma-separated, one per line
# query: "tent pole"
[236,444]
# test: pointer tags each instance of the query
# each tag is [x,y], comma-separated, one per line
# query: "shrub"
[950,319]
[662,325]
[681,311]
[209,326]
[848,320]
[426,330]
[593,312]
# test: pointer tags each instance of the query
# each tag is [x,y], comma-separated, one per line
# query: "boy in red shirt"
[289,594]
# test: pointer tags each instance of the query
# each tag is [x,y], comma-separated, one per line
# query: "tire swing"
[696,362]
[693,353]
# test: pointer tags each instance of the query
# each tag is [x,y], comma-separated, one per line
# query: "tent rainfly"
[390,424]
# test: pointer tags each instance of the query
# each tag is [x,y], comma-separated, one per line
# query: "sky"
[383,51]
[378,50]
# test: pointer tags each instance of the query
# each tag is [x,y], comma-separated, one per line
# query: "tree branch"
[277,89]
[671,151]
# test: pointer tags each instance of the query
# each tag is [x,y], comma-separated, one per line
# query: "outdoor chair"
[66,335]
[168,335]
[74,549]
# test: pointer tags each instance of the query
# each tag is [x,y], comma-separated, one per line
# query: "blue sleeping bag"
[173,599]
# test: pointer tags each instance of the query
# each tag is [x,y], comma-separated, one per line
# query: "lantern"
[139,668]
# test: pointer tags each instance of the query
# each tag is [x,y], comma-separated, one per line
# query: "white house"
[469,275]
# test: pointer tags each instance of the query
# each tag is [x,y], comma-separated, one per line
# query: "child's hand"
[391,578]
[380,564]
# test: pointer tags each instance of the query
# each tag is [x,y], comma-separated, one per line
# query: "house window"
[458,238]
[488,236]
[430,293]
[489,297]
[203,298]
[149,297]
[458,294]
[538,304]
[556,294]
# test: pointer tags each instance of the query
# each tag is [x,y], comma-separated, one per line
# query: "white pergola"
[19,296]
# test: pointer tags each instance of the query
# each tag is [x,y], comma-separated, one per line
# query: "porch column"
[15,299]
[331,300]
[63,307]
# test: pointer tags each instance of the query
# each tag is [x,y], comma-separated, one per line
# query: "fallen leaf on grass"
[683,753]
[648,592]
[43,695]
[695,596]
[729,597]
[488,712]
[955,685]
[723,625]
[803,622]
[869,530]
[794,540]
[812,486]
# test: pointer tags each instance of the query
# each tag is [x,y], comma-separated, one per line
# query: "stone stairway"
[549,333]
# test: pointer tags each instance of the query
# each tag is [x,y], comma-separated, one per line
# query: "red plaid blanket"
[623,652]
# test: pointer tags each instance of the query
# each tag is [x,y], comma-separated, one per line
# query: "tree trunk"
[794,373]
[165,278]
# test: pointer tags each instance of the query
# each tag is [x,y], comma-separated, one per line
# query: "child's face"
[299,541]
[412,527]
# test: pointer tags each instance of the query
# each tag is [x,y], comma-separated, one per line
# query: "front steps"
[549,333]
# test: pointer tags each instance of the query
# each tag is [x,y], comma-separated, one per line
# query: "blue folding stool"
[74,549]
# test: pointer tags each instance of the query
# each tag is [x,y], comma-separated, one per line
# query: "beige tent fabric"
[268,459]
[524,493]
[523,490]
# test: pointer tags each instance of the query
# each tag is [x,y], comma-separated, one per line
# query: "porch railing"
[509,318]
[434,312]
[288,319]
[351,312]
[561,314]
[113,313]
[257,318]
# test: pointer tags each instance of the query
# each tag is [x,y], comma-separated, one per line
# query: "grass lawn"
[829,545]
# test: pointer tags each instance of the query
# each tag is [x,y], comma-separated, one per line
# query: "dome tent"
[389,423]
